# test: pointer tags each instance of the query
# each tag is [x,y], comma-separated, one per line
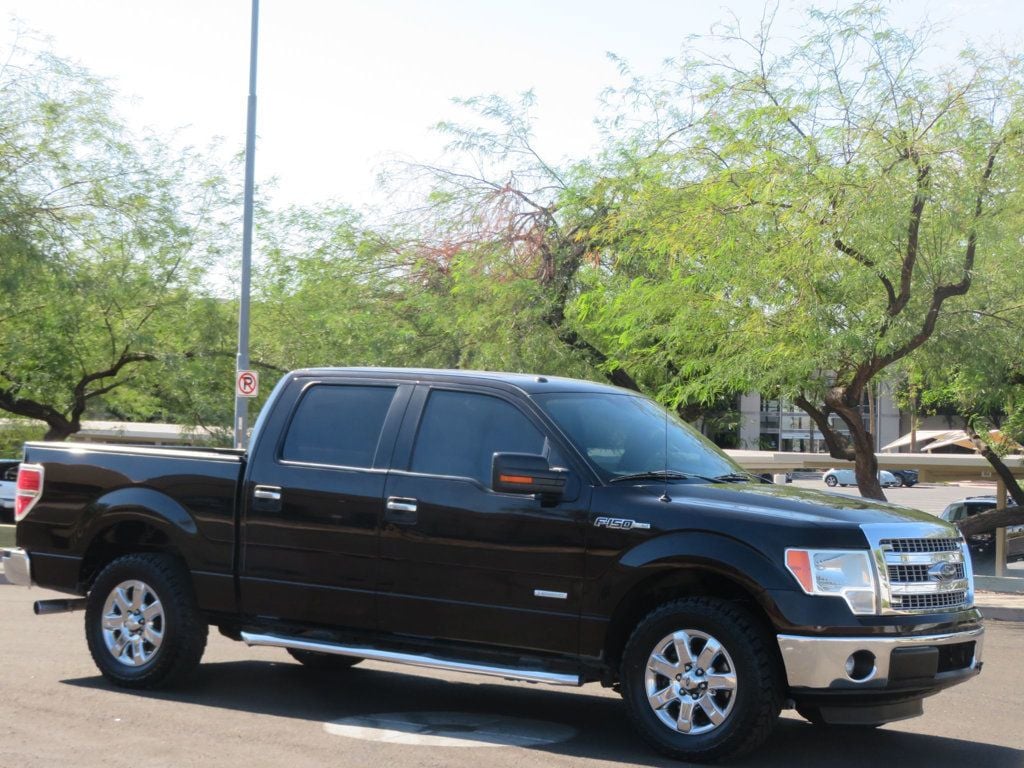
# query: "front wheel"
[142,623]
[831,481]
[699,680]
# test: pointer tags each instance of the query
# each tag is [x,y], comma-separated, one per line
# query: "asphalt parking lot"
[928,497]
[256,707]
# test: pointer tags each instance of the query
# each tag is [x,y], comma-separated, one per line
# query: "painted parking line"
[450,729]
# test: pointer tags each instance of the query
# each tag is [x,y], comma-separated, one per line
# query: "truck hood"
[764,503]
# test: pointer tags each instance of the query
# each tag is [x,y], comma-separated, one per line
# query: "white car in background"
[845,477]
[8,482]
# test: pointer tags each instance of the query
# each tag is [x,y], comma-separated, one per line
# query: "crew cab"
[524,527]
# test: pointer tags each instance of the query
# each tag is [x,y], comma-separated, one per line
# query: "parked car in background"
[984,543]
[8,480]
[845,477]
[907,477]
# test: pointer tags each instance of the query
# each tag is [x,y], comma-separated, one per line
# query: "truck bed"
[91,490]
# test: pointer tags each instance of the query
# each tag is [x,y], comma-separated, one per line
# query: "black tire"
[747,712]
[175,621]
[323,661]
[831,481]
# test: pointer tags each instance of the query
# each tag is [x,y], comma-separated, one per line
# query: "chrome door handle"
[396,504]
[267,493]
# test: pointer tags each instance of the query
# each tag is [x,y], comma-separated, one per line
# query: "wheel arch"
[691,580]
[133,520]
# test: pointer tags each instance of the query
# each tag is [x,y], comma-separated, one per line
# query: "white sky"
[343,86]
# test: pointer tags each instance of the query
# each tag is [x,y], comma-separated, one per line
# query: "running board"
[375,654]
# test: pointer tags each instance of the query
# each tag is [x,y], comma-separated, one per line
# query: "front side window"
[338,425]
[625,435]
[954,513]
[460,432]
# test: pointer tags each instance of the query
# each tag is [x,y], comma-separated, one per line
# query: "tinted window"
[461,431]
[338,425]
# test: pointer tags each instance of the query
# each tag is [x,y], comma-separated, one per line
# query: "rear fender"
[152,508]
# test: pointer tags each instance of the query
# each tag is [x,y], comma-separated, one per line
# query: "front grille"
[938,600]
[921,545]
[911,574]
[922,567]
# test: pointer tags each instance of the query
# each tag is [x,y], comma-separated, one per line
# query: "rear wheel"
[699,680]
[324,661]
[142,623]
[831,481]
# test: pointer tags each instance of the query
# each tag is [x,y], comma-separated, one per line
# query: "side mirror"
[527,474]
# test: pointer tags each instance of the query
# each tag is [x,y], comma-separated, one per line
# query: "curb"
[999,613]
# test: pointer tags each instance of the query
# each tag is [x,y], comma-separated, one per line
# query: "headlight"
[838,573]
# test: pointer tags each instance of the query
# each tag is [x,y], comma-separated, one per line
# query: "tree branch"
[838,448]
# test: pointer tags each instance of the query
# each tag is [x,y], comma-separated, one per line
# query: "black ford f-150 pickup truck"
[524,527]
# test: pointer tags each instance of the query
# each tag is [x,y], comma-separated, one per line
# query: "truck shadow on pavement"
[289,690]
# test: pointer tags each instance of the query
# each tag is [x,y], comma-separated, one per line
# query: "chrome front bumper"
[820,662]
[17,567]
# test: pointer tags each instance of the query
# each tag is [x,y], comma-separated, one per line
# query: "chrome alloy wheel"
[133,623]
[690,682]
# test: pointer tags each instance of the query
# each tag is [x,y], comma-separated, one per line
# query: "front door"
[461,562]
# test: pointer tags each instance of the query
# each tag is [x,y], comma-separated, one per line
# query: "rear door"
[313,501]
[461,562]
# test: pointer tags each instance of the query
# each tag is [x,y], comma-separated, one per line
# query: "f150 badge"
[620,523]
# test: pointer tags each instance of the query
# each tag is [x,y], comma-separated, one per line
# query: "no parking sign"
[247,384]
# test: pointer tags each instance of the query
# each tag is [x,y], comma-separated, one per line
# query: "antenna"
[664,496]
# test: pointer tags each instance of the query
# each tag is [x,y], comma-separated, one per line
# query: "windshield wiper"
[658,474]
[735,477]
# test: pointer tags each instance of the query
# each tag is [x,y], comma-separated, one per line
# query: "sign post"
[241,401]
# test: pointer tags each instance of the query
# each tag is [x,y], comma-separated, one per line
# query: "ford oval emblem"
[943,571]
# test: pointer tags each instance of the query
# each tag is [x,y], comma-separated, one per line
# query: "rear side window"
[974,509]
[461,431]
[338,425]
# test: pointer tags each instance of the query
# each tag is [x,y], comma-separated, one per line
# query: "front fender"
[641,567]
[713,551]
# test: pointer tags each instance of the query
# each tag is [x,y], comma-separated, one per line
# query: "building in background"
[777,424]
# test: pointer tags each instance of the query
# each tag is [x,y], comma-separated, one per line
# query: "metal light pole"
[242,403]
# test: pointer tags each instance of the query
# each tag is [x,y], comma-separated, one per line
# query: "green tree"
[799,222]
[103,241]
[975,366]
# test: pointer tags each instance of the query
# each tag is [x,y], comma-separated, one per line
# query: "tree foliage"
[103,241]
[799,221]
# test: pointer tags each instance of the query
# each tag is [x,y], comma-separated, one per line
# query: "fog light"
[860,665]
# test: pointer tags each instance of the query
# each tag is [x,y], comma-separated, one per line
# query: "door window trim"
[388,431]
[406,443]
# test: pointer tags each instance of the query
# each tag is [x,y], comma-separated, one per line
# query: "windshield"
[625,435]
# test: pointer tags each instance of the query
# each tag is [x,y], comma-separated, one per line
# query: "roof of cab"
[529,383]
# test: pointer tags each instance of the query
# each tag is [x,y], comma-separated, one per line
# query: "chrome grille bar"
[922,567]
